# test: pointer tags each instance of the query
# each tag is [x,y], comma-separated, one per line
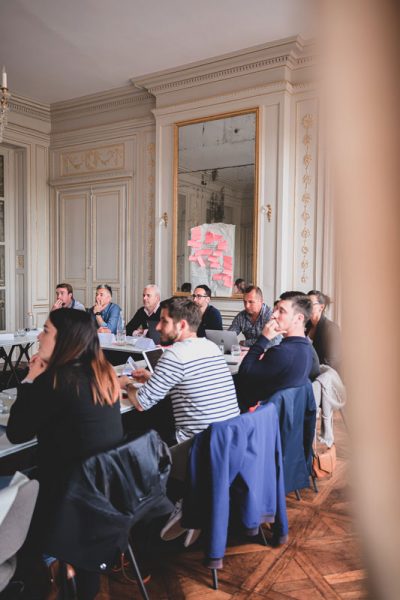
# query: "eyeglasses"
[199,295]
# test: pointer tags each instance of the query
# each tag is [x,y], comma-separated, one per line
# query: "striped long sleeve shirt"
[198,379]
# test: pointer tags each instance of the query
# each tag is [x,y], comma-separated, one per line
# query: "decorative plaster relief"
[150,167]
[307,123]
[96,160]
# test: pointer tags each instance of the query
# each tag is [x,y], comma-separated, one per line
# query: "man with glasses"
[210,316]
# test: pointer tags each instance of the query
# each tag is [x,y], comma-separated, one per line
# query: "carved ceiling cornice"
[293,53]
[112,100]
[29,108]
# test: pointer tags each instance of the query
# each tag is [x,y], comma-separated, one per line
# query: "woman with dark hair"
[70,402]
[323,332]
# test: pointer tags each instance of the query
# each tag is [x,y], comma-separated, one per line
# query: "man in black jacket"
[150,311]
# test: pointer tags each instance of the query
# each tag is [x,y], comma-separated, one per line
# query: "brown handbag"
[324,464]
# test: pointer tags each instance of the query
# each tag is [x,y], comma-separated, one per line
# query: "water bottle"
[121,332]
[29,321]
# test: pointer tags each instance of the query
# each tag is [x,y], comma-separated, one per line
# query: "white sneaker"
[173,529]
[191,537]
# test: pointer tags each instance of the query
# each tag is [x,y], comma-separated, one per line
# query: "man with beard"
[192,371]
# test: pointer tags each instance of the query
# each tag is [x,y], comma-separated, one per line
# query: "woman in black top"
[323,332]
[70,402]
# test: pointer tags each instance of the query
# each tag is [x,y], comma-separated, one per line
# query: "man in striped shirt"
[192,371]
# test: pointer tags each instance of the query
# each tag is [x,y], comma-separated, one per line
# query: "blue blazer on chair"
[237,460]
[297,417]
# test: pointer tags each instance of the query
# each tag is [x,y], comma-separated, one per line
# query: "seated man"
[286,365]
[192,371]
[150,311]
[105,312]
[65,298]
[252,319]
[210,316]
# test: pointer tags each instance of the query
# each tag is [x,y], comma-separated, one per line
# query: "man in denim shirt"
[105,312]
[252,319]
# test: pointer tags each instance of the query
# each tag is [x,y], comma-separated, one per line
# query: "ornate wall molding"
[102,133]
[251,93]
[95,177]
[306,198]
[29,108]
[112,100]
[150,170]
[94,160]
[291,53]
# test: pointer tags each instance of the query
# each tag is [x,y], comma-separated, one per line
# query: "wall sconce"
[163,219]
[266,209]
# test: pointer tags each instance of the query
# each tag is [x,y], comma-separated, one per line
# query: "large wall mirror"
[215,202]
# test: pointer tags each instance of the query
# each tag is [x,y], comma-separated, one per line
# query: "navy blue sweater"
[284,366]
[211,320]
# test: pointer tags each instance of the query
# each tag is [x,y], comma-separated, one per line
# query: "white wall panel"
[73,240]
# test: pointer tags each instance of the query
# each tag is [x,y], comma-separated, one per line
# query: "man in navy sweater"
[286,365]
[210,316]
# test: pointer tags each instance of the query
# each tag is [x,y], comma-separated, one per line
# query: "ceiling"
[61,49]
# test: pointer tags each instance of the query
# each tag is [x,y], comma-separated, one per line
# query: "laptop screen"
[152,357]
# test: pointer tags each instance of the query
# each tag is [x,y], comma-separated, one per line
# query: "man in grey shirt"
[252,319]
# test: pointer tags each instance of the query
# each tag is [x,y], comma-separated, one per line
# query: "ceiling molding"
[111,100]
[30,108]
[292,52]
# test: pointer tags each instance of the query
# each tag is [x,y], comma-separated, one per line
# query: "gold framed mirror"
[215,203]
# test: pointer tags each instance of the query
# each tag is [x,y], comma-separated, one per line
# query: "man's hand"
[37,366]
[141,375]
[131,391]
[103,330]
[271,329]
[57,304]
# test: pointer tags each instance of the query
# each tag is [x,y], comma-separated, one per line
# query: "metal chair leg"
[263,538]
[215,578]
[314,482]
[137,574]
[298,497]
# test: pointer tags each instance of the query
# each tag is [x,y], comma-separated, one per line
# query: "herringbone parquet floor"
[321,559]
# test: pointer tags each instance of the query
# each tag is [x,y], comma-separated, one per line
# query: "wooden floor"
[321,559]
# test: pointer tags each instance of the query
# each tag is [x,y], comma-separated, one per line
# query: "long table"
[10,342]
[21,456]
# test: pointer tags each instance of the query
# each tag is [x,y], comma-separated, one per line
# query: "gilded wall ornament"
[307,123]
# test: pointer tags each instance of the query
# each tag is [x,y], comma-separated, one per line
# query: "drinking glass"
[6,401]
[235,350]
[120,338]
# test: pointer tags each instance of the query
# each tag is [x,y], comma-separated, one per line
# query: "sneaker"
[191,537]
[173,528]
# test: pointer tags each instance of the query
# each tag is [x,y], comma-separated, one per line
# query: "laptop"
[152,357]
[228,338]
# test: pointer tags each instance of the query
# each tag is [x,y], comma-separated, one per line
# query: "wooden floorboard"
[320,561]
